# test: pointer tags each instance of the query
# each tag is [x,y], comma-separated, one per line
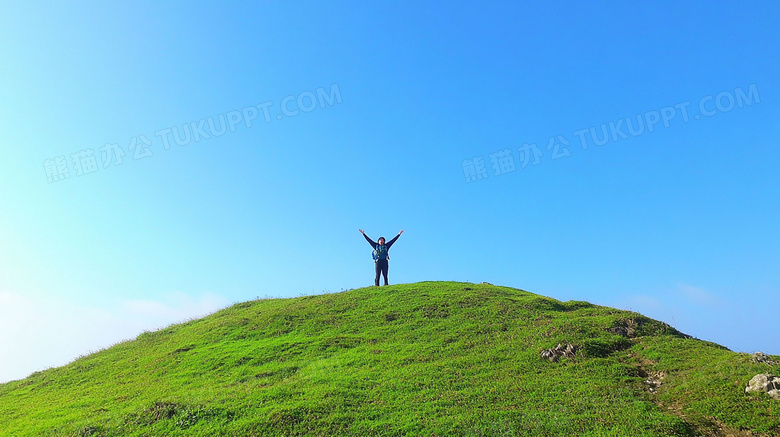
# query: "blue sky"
[162,161]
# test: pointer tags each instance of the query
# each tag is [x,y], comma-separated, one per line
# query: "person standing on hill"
[380,255]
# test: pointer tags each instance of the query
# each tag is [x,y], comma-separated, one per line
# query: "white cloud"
[699,295]
[640,303]
[176,306]
[37,333]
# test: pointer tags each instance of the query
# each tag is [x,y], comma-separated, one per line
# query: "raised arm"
[390,243]
[370,241]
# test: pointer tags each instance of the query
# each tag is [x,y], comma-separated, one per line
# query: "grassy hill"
[432,359]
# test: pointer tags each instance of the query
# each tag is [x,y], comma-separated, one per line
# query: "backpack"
[380,252]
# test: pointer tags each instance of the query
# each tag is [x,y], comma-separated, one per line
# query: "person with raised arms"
[380,255]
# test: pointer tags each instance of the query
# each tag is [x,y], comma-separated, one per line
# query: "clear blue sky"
[161,161]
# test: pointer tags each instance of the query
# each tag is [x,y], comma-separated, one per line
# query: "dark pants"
[380,267]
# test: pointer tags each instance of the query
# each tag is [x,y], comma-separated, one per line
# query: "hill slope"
[433,358]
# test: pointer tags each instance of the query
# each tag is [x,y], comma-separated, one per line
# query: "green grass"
[431,359]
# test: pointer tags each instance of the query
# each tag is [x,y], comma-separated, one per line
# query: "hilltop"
[431,358]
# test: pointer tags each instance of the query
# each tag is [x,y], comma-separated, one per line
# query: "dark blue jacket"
[374,244]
